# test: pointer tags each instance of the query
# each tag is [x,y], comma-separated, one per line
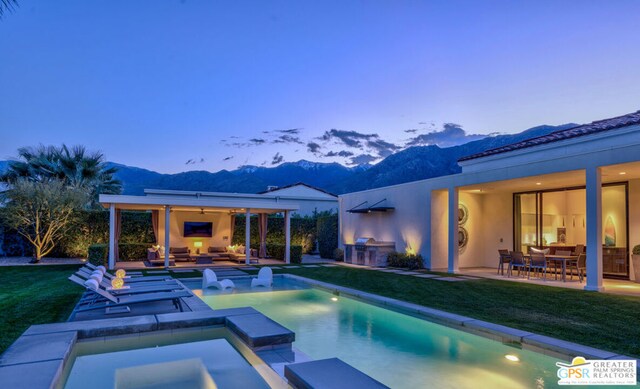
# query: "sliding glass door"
[556,219]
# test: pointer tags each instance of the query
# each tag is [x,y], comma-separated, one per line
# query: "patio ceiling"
[612,173]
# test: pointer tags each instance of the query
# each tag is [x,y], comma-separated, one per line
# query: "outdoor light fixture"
[334,299]
[512,358]
[197,245]
[121,273]
[117,283]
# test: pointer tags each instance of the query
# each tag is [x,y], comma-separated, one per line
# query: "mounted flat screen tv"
[198,229]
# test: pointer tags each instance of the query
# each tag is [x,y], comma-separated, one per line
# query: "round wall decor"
[463,214]
[463,238]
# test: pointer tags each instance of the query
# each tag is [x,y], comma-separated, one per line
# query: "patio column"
[594,229]
[167,233]
[453,231]
[287,236]
[247,237]
[112,236]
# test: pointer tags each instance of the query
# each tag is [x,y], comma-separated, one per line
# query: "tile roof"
[574,132]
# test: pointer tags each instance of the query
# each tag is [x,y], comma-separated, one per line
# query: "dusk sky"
[202,85]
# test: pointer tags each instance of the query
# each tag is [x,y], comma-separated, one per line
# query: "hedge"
[99,253]
[327,230]
[277,251]
[303,231]
[410,261]
[92,227]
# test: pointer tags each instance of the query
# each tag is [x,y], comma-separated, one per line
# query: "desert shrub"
[338,254]
[636,250]
[327,232]
[277,251]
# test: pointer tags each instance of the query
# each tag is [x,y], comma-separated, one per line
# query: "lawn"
[34,295]
[609,322]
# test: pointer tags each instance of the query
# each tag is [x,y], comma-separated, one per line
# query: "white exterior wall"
[407,225]
[221,228]
[308,199]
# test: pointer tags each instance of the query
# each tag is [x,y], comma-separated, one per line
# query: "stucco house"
[572,188]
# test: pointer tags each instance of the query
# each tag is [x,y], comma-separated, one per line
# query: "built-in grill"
[368,251]
[361,243]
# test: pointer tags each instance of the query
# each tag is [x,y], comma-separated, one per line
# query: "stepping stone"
[158,272]
[292,267]
[310,266]
[247,268]
[411,273]
[390,270]
[274,267]
[329,265]
[183,271]
[450,279]
[470,278]
[427,275]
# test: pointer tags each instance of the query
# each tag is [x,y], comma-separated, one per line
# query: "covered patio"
[591,210]
[195,221]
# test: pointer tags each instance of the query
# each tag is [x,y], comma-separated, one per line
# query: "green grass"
[34,295]
[605,321]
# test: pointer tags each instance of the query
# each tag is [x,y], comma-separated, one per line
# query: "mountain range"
[410,164]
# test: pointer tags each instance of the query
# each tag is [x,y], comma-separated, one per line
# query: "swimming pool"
[204,358]
[399,350]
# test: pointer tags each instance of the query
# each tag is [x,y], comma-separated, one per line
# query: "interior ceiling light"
[538,183]
[622,173]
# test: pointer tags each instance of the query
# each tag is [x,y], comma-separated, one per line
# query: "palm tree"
[7,6]
[74,166]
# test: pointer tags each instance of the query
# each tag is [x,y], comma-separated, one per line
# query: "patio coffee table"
[205,259]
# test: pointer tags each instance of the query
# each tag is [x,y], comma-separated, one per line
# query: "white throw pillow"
[161,251]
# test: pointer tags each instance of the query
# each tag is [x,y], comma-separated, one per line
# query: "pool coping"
[511,336]
[37,358]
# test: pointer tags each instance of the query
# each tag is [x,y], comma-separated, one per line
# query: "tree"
[74,166]
[7,6]
[41,211]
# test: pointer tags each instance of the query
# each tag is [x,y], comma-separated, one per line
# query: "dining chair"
[538,262]
[580,265]
[505,257]
[579,249]
[517,261]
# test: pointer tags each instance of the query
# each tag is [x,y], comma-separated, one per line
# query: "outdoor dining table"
[564,259]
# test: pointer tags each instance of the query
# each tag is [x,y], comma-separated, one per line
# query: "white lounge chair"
[265,278]
[210,279]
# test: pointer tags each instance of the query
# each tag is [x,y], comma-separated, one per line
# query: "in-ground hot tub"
[188,358]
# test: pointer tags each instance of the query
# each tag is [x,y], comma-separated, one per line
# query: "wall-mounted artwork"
[463,238]
[463,214]
[609,232]
[561,235]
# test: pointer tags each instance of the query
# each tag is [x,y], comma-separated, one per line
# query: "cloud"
[227,158]
[288,139]
[291,131]
[257,141]
[451,135]
[361,159]
[349,138]
[277,159]
[193,161]
[313,147]
[411,131]
[342,153]
[382,148]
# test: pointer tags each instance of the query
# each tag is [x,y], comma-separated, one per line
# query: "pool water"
[186,359]
[399,350]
